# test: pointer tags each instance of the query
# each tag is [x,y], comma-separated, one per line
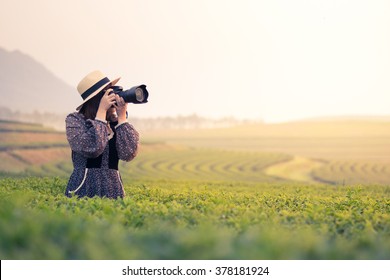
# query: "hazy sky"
[275,60]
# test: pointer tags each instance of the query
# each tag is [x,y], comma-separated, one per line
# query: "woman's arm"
[87,137]
[127,139]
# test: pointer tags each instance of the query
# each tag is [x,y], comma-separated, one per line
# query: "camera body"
[136,94]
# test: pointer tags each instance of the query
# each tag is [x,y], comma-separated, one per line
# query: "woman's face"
[111,115]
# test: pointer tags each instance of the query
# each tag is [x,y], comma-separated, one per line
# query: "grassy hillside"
[366,140]
[336,152]
[15,126]
[25,146]
[203,194]
[194,220]
[344,152]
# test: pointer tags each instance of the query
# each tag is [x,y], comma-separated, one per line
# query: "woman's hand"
[121,108]
[105,103]
[107,100]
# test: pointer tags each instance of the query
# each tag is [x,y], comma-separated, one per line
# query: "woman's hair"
[90,108]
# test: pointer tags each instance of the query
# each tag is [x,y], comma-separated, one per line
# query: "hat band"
[95,87]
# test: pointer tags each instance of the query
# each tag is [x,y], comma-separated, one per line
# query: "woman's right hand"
[107,100]
[105,103]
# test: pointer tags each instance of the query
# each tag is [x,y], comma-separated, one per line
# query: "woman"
[99,137]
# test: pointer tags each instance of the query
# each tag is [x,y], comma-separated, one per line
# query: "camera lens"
[139,94]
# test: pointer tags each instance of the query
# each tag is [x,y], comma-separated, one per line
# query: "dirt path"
[297,169]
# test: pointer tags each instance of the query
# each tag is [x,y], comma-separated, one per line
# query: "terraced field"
[25,139]
[33,150]
[28,148]
[297,169]
[353,172]
[202,164]
[208,198]
[12,126]
[338,140]
[46,153]
[341,152]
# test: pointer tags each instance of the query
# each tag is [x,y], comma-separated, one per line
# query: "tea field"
[205,194]
[194,220]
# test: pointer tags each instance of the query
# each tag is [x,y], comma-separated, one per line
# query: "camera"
[136,94]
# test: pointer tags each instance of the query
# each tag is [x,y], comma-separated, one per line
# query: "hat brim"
[113,82]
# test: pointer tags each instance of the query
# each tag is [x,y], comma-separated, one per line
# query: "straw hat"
[92,84]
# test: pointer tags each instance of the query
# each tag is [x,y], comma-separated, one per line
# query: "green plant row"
[186,219]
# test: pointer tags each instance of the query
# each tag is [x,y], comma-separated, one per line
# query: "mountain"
[26,85]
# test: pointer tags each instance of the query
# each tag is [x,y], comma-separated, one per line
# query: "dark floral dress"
[97,148]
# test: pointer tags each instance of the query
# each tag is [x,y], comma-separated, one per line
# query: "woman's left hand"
[121,108]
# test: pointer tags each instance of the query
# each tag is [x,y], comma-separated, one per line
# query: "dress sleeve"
[127,141]
[87,137]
